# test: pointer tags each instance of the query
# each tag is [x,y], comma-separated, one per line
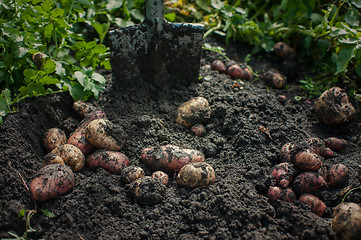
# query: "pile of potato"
[302,172]
[96,143]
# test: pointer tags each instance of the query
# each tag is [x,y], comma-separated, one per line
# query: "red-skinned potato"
[235,71]
[346,221]
[199,130]
[337,175]
[71,155]
[131,173]
[308,182]
[78,137]
[316,205]
[307,160]
[53,138]
[218,65]
[110,161]
[284,174]
[161,176]
[317,145]
[102,133]
[169,158]
[284,194]
[274,78]
[194,111]
[284,51]
[336,144]
[196,174]
[333,107]
[52,181]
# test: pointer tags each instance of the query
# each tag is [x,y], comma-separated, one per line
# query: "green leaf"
[170,16]
[47,80]
[49,66]
[80,77]
[47,213]
[344,56]
[98,78]
[21,213]
[113,4]
[352,17]
[205,5]
[29,73]
[78,93]
[135,13]
[48,30]
[356,3]
[217,4]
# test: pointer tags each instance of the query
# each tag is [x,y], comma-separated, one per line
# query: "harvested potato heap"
[302,172]
[232,69]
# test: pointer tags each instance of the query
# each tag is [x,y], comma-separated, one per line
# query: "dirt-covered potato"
[53,138]
[284,174]
[274,78]
[196,174]
[102,133]
[337,175]
[346,221]
[284,194]
[110,161]
[147,190]
[317,145]
[336,144]
[194,111]
[71,155]
[308,182]
[218,65]
[52,181]
[199,130]
[307,160]
[286,152]
[169,158]
[39,59]
[131,173]
[52,158]
[333,107]
[284,51]
[317,206]
[161,176]
[83,109]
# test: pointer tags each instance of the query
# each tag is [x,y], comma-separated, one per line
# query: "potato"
[284,174]
[110,161]
[169,158]
[337,175]
[277,193]
[274,78]
[39,58]
[102,133]
[336,144]
[131,173]
[83,109]
[284,51]
[199,130]
[147,190]
[196,174]
[308,182]
[285,153]
[196,110]
[78,137]
[218,65]
[307,160]
[71,155]
[51,182]
[237,72]
[52,158]
[346,221]
[333,107]
[316,205]
[317,145]
[53,138]
[161,176]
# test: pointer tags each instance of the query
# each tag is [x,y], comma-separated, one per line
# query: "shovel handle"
[154,10]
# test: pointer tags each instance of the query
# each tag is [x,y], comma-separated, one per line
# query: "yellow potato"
[53,138]
[71,155]
[197,174]
[196,110]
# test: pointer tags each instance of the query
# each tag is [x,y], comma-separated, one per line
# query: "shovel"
[165,54]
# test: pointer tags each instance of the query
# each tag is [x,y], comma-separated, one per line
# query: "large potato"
[346,221]
[71,155]
[51,182]
[169,157]
[196,110]
[110,161]
[53,138]
[102,133]
[333,107]
[197,174]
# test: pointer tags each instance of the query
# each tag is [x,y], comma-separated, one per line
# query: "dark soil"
[234,207]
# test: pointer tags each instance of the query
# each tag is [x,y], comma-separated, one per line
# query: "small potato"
[336,144]
[169,158]
[337,175]
[284,174]
[131,173]
[274,78]
[161,176]
[197,174]
[346,221]
[71,155]
[53,138]
[333,107]
[235,71]
[316,205]
[284,51]
[277,193]
[199,130]
[110,161]
[147,190]
[308,182]
[194,111]
[83,109]
[307,160]
[52,158]
[51,182]
[317,145]
[39,59]
[285,153]
[218,65]
[102,133]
